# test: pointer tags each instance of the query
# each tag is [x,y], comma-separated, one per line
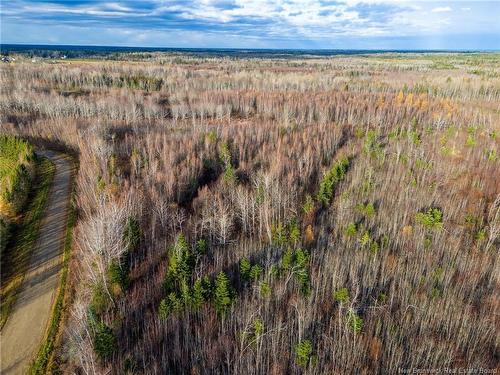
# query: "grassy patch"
[44,358]
[16,178]
[15,259]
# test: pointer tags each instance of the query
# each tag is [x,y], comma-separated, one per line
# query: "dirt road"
[21,336]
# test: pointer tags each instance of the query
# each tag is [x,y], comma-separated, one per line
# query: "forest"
[300,215]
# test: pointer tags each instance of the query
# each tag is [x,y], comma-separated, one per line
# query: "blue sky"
[346,24]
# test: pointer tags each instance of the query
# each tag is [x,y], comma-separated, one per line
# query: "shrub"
[359,132]
[211,136]
[230,175]
[351,230]
[436,292]
[137,81]
[382,298]
[370,141]
[294,232]
[255,333]
[367,210]
[255,271]
[374,247]
[225,154]
[303,353]
[308,206]
[265,290]
[365,239]
[432,219]
[99,300]
[471,142]
[481,235]
[354,322]
[414,137]
[118,275]
[225,157]
[491,155]
[104,341]
[368,184]
[301,258]
[427,241]
[100,184]
[258,327]
[341,295]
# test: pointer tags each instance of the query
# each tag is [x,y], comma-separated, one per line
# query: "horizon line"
[256,49]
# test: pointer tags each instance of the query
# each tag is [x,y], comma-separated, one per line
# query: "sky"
[304,24]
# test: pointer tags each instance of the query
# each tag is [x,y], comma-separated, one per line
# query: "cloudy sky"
[346,24]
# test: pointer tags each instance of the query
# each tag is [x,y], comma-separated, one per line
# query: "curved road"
[24,331]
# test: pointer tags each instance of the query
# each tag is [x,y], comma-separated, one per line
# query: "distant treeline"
[115,53]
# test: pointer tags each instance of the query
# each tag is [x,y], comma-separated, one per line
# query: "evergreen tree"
[185,294]
[201,247]
[118,274]
[207,288]
[330,179]
[302,274]
[287,259]
[104,341]
[245,268]
[180,265]
[294,232]
[354,321]
[132,234]
[163,309]
[255,272]
[174,303]
[303,353]
[223,294]
[198,295]
[278,234]
[265,290]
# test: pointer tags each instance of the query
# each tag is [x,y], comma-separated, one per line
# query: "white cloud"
[319,20]
[441,10]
